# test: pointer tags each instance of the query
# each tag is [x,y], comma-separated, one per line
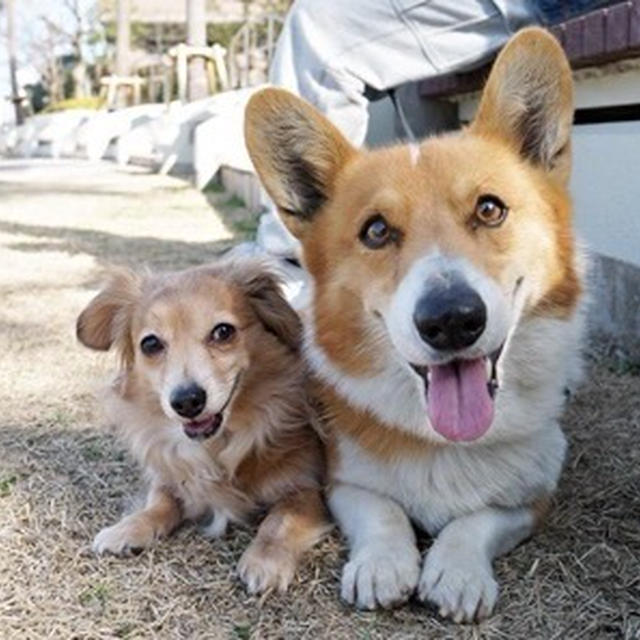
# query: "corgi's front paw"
[265,567]
[381,575]
[459,583]
[130,535]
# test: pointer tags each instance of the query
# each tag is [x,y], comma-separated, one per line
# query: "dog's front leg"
[160,516]
[384,563]
[457,576]
[292,526]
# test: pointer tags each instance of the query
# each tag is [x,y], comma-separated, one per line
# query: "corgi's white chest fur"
[452,481]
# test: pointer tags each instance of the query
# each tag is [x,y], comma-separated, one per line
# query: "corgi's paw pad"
[461,585]
[380,575]
[126,537]
[265,567]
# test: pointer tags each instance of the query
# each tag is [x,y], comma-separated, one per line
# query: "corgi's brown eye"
[376,233]
[490,211]
[222,332]
[150,345]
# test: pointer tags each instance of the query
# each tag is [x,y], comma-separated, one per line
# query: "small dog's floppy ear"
[106,318]
[528,100]
[297,153]
[263,290]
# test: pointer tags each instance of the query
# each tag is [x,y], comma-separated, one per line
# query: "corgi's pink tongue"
[459,405]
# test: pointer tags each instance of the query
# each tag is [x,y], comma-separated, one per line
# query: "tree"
[75,28]
[9,7]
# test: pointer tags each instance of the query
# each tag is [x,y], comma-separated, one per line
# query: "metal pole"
[13,65]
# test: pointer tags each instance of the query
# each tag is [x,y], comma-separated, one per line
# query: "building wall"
[606,188]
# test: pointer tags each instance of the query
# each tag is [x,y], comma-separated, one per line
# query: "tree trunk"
[13,65]
[79,71]
[79,74]
[55,83]
[197,37]
[123,37]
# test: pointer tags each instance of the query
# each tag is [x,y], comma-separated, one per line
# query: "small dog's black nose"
[188,401]
[452,316]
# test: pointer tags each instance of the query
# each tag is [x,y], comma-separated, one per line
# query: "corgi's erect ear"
[528,100]
[296,151]
[106,319]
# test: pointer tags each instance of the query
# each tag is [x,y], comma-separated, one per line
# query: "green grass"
[242,631]
[90,102]
[6,485]
[235,202]
[59,418]
[125,629]
[213,186]
[624,366]
[246,227]
[93,451]
[94,595]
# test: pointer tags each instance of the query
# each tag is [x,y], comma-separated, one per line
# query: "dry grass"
[61,479]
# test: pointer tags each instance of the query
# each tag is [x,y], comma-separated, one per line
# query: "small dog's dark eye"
[490,211]
[376,233]
[150,345]
[222,332]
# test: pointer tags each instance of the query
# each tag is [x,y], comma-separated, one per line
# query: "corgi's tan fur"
[388,465]
[263,454]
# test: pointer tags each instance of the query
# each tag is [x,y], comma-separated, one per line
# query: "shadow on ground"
[109,248]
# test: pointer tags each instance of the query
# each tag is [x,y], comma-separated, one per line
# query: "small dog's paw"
[460,584]
[127,536]
[217,526]
[380,575]
[265,567]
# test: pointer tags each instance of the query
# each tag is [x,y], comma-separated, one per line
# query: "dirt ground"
[62,478]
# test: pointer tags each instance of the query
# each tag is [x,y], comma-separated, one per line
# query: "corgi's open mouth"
[460,396]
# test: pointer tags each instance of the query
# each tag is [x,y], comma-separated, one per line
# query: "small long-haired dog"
[210,399]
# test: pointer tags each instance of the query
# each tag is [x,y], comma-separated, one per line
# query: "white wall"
[606,188]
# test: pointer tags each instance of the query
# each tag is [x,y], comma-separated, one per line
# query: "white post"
[181,64]
[123,37]
[197,37]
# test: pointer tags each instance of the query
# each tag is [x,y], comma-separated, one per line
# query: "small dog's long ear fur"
[528,101]
[106,319]
[297,153]
[263,290]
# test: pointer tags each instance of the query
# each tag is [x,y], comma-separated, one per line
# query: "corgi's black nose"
[188,401]
[450,316]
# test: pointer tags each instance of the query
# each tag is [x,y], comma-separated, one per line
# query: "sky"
[29,30]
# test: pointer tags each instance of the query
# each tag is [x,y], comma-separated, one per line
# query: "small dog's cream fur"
[388,464]
[263,454]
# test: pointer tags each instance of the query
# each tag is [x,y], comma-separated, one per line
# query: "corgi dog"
[210,399]
[444,324]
